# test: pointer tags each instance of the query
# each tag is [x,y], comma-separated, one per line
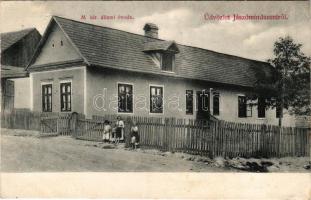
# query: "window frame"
[192,102]
[66,82]
[239,114]
[128,84]
[172,60]
[150,103]
[42,95]
[249,110]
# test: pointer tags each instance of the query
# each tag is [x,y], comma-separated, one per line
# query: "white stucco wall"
[98,81]
[229,111]
[21,93]
[75,75]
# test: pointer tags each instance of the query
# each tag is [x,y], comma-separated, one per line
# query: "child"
[134,136]
[113,138]
[119,130]
[107,131]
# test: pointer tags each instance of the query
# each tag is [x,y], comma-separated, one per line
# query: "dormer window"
[167,61]
[162,54]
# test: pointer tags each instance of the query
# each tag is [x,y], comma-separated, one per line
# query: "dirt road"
[31,154]
[25,151]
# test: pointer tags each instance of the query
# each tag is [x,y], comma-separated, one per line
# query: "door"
[7,101]
[203,104]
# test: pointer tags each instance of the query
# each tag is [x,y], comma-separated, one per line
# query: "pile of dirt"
[252,165]
[285,164]
[101,145]
[108,146]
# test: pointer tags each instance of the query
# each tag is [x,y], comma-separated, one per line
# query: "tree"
[289,86]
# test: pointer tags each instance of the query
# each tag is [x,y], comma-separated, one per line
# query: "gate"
[89,129]
[48,124]
[56,123]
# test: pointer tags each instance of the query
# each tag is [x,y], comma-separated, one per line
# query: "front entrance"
[203,104]
[7,95]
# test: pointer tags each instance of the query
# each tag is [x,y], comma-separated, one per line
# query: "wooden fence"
[207,138]
[48,122]
[225,139]
[214,138]
[21,119]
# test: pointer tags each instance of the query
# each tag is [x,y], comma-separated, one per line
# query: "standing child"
[134,136]
[107,131]
[113,138]
[119,130]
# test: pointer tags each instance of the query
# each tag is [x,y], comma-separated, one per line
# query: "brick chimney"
[151,30]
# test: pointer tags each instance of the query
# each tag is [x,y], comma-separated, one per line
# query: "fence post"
[74,124]
[264,140]
[166,134]
[127,130]
[57,125]
[40,124]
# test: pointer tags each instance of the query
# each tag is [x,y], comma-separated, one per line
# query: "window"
[242,106]
[189,102]
[61,43]
[167,61]
[65,96]
[278,111]
[47,98]
[156,99]
[125,98]
[215,103]
[261,108]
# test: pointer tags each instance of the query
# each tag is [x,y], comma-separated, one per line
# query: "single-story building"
[97,70]
[17,48]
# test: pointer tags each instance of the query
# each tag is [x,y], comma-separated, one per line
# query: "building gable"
[10,38]
[56,48]
[17,48]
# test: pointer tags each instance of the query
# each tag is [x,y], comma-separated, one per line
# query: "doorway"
[203,104]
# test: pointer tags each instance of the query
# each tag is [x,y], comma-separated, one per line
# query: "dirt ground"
[26,151]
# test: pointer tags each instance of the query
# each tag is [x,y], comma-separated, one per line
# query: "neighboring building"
[8,86]
[97,70]
[17,48]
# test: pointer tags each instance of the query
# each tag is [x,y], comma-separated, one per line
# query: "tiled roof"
[10,38]
[111,48]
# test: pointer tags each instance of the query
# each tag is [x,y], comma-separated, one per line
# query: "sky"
[182,22]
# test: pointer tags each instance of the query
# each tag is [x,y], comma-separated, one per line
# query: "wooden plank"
[283,152]
[236,140]
[222,132]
